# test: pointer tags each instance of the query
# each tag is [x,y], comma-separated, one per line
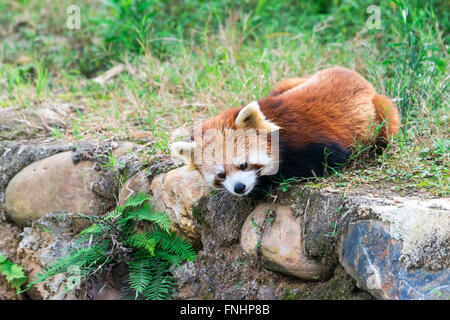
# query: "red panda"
[303,127]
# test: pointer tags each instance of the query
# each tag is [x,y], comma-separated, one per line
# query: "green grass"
[189,60]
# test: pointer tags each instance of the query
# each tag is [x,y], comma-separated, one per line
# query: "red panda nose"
[239,188]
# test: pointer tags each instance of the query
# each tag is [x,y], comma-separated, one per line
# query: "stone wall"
[304,243]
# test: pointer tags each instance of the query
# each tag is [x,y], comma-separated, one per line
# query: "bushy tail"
[386,114]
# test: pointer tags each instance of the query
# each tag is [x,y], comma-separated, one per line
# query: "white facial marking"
[209,178]
[211,173]
[248,178]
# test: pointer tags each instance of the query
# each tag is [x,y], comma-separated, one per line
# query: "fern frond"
[174,243]
[114,213]
[81,258]
[148,213]
[159,289]
[161,286]
[142,240]
[160,218]
[93,229]
[169,257]
[140,275]
[136,200]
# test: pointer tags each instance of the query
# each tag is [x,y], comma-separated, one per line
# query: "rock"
[109,74]
[99,287]
[221,218]
[186,278]
[140,182]
[281,243]
[14,156]
[265,293]
[47,240]
[176,193]
[423,226]
[36,121]
[55,184]
[17,155]
[371,255]
[100,152]
[323,215]
[123,148]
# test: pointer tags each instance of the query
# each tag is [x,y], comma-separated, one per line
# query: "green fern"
[175,244]
[161,219]
[113,239]
[136,200]
[162,284]
[142,240]
[169,257]
[140,275]
[13,273]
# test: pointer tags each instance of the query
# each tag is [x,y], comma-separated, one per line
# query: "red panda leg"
[386,113]
[287,84]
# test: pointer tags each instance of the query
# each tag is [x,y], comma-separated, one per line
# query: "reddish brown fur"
[386,113]
[287,84]
[335,105]
[224,120]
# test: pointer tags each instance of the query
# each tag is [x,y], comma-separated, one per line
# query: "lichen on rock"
[372,257]
[424,228]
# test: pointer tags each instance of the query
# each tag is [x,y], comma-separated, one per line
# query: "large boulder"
[176,192]
[373,257]
[280,242]
[139,183]
[423,227]
[55,184]
[402,250]
[14,156]
[221,218]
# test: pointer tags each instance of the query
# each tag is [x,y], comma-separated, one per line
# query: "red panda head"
[233,149]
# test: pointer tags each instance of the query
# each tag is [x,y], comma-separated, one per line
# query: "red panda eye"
[221,175]
[243,166]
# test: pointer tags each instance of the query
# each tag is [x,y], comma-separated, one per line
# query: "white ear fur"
[184,149]
[251,117]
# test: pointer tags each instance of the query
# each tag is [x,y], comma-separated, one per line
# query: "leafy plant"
[134,16]
[286,183]
[41,78]
[14,273]
[113,239]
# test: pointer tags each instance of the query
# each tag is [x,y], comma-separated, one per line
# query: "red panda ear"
[251,117]
[185,150]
